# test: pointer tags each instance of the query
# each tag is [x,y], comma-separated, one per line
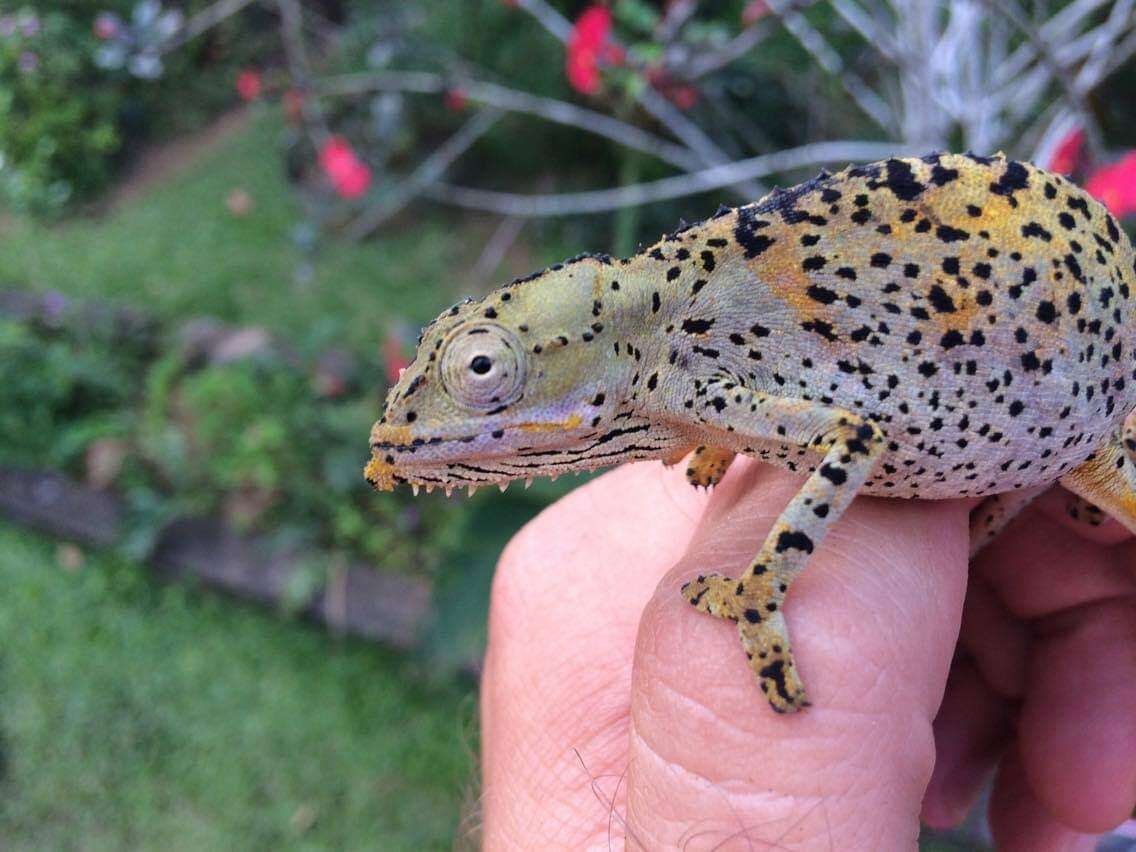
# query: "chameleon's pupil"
[481,365]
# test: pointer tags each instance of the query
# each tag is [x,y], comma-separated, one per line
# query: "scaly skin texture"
[951,326]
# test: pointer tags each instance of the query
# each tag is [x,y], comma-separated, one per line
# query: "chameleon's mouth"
[404,456]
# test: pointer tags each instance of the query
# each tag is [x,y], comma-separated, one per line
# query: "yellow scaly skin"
[942,327]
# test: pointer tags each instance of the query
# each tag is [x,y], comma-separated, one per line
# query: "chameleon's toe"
[713,594]
[1082,510]
[707,466]
[777,676]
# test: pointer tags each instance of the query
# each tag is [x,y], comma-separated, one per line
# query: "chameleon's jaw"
[401,455]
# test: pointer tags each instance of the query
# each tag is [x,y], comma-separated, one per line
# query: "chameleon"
[951,326]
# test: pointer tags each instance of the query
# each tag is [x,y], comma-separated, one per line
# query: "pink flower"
[249,85]
[350,177]
[754,11]
[456,100]
[1067,156]
[107,26]
[588,46]
[1115,185]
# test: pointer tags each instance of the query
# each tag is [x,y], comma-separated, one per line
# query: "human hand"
[614,713]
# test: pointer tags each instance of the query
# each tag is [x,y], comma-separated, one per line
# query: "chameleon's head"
[515,385]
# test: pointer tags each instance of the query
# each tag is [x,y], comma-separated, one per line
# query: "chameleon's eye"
[482,367]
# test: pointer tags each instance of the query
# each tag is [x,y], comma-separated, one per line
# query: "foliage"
[58,395]
[58,128]
[73,98]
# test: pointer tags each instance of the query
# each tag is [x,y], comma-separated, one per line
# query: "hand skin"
[614,714]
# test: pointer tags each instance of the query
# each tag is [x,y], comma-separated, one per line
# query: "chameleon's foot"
[762,635]
[1082,510]
[713,594]
[707,466]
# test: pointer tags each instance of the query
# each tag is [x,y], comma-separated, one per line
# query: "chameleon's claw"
[414,488]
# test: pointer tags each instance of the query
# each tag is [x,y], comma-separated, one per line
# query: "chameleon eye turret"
[942,327]
[483,367]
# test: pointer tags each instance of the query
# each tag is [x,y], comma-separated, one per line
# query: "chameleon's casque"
[949,326]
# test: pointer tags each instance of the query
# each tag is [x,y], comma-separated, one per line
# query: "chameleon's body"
[946,327]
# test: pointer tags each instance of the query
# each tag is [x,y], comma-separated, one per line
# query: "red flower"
[1115,185]
[588,46]
[683,97]
[1067,156]
[456,100]
[249,85]
[349,176]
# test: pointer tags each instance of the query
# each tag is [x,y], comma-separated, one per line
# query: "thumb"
[873,621]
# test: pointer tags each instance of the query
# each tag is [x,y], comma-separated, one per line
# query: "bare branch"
[514,100]
[428,171]
[559,26]
[204,20]
[503,238]
[735,48]
[292,32]
[716,177]
[827,58]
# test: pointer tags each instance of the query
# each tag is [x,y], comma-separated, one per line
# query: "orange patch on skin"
[383,433]
[380,474]
[571,423]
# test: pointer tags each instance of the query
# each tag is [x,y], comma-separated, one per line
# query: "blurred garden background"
[221,227]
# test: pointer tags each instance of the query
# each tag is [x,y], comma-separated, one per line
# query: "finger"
[874,620]
[1077,731]
[565,605]
[970,731]
[997,642]
[1037,568]
[1020,823]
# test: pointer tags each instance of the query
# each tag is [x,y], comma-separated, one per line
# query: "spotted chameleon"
[944,327]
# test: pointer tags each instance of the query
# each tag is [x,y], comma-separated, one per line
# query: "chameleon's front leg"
[850,446]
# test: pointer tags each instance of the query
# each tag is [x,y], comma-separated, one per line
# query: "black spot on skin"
[746,233]
[821,294]
[901,180]
[833,474]
[1067,221]
[490,313]
[928,369]
[794,541]
[941,300]
[813,263]
[941,176]
[655,303]
[707,260]
[846,272]
[753,616]
[1046,312]
[697,326]
[810,239]
[952,339]
[911,270]
[819,326]
[1014,178]
[1034,229]
[775,672]
[881,260]
[673,273]
[951,235]
[758,330]
[951,265]
[982,270]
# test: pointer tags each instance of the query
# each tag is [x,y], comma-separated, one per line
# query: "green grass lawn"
[140,715]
